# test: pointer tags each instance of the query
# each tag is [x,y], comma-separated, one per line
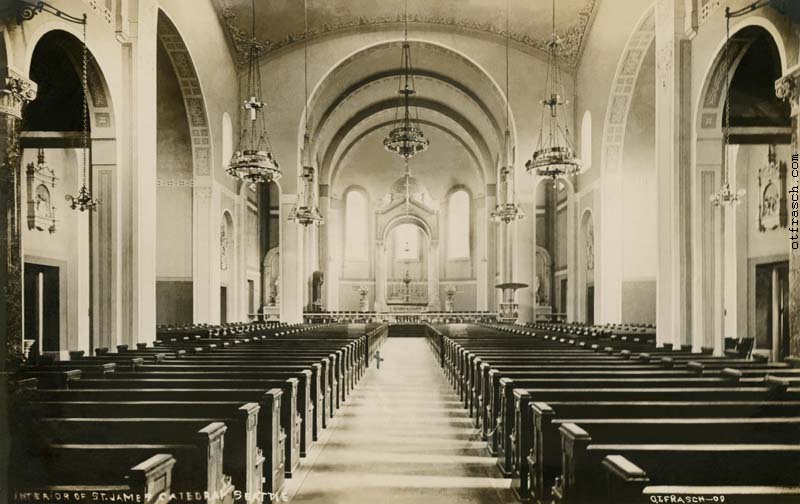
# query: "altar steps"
[406,331]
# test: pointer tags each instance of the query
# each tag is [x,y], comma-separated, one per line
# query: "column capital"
[788,88]
[15,92]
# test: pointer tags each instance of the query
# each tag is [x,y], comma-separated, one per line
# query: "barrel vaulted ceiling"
[280,22]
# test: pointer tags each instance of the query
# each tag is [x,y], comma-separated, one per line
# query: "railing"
[375,339]
[419,317]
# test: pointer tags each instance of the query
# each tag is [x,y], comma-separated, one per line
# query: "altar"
[394,306]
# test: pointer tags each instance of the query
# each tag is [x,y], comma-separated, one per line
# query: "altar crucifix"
[407,281]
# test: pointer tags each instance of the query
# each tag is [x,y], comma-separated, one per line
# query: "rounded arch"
[459,222]
[100,103]
[227,139]
[192,91]
[710,104]
[356,223]
[332,89]
[412,219]
[586,266]
[622,89]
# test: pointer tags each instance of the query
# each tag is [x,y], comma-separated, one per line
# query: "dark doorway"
[223,305]
[42,306]
[562,307]
[772,308]
[590,304]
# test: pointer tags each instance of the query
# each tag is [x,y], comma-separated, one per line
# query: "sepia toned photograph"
[400,251]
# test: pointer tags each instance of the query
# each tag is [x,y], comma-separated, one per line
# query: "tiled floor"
[402,437]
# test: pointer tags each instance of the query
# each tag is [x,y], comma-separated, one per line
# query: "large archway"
[741,289]
[74,259]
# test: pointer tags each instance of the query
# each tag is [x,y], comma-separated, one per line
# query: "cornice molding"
[570,52]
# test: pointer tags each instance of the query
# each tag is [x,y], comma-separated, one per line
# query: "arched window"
[458,225]
[406,242]
[356,223]
[586,140]
[227,139]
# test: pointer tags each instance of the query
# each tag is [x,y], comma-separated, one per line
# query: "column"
[434,303]
[380,276]
[673,158]
[15,93]
[788,88]
[204,244]
[292,279]
[136,180]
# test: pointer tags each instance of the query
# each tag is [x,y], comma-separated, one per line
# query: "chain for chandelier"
[306,210]
[554,156]
[507,210]
[84,200]
[406,139]
[253,162]
[727,196]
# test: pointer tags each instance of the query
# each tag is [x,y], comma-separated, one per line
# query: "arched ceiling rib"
[280,24]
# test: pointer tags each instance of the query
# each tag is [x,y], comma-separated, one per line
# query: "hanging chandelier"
[507,210]
[253,161]
[554,156]
[84,200]
[406,139]
[726,195]
[306,211]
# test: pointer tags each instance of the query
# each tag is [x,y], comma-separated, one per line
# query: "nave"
[545,413]
[402,437]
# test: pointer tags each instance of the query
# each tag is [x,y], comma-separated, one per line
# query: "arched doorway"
[741,284]
[586,270]
[70,256]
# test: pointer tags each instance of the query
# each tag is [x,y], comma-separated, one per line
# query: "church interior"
[402,251]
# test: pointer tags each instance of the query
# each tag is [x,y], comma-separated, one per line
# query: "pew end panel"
[625,481]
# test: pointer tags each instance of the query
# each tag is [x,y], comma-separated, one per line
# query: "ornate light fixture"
[406,138]
[507,210]
[726,196]
[84,200]
[554,156]
[253,161]
[306,211]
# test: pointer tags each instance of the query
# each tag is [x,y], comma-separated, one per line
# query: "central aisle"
[402,437]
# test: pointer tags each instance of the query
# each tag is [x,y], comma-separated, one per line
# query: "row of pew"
[202,416]
[572,421]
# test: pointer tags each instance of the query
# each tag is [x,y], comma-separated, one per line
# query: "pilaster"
[672,168]
[788,88]
[15,92]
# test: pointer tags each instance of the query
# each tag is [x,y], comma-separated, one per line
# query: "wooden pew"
[676,464]
[544,458]
[198,452]
[151,423]
[143,482]
[283,457]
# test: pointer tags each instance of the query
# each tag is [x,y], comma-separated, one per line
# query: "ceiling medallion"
[554,156]
[406,139]
[253,161]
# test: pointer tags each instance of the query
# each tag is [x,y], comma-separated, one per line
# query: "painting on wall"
[772,211]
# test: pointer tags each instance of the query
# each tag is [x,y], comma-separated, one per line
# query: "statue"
[448,302]
[363,301]
[317,279]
